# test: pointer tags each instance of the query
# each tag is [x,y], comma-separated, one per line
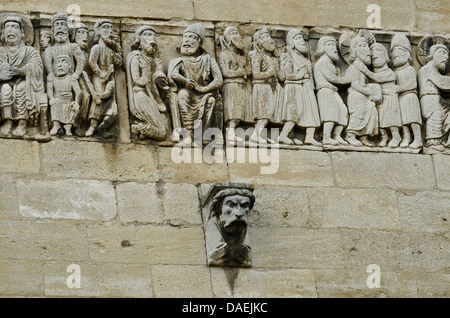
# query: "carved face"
[190,43]
[106,33]
[60,31]
[12,32]
[233,218]
[378,56]
[267,42]
[363,52]
[148,41]
[46,41]
[62,65]
[81,38]
[236,39]
[300,44]
[331,50]
[441,57]
[399,56]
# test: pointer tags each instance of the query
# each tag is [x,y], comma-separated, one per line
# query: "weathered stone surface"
[93,160]
[195,171]
[279,206]
[432,285]
[139,202]
[21,278]
[442,168]
[67,199]
[353,283]
[241,283]
[62,241]
[395,251]
[432,21]
[368,170]
[147,244]
[294,247]
[180,281]
[295,168]
[424,211]
[9,207]
[99,280]
[181,203]
[353,208]
[19,156]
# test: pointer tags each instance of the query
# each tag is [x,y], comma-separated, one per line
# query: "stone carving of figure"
[362,96]
[299,103]
[104,57]
[234,67]
[146,79]
[406,77]
[266,87]
[333,111]
[226,229]
[64,94]
[198,78]
[431,81]
[46,40]
[22,93]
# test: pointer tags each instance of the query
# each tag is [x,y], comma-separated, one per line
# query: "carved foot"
[313,142]
[298,142]
[5,129]
[90,131]
[353,141]
[327,140]
[366,142]
[416,144]
[285,140]
[20,130]
[340,140]
[405,143]
[68,129]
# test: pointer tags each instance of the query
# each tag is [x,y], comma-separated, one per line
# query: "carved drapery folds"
[322,89]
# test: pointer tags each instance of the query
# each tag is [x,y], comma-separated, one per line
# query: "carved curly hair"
[218,198]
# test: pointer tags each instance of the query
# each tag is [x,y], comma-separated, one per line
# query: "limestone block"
[99,280]
[241,283]
[353,283]
[279,247]
[353,208]
[93,160]
[383,170]
[139,202]
[295,168]
[147,244]
[21,278]
[67,199]
[280,206]
[181,281]
[19,156]
[432,21]
[394,251]
[9,207]
[425,211]
[62,241]
[181,203]
[433,285]
[442,168]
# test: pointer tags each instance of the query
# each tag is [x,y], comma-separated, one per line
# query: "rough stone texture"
[353,284]
[280,206]
[99,280]
[94,160]
[425,211]
[139,202]
[67,199]
[383,170]
[147,244]
[353,208]
[433,285]
[181,203]
[62,241]
[178,281]
[241,283]
[21,278]
[9,207]
[278,247]
[295,168]
[442,169]
[19,156]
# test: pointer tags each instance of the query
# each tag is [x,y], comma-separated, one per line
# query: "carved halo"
[26,23]
[423,49]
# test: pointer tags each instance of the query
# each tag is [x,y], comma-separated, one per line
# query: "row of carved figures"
[71,88]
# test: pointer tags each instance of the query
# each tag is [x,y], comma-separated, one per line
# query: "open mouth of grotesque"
[237,224]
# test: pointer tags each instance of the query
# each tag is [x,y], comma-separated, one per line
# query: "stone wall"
[131,218]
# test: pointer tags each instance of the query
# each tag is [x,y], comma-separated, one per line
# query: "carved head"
[400,50]
[12,31]
[81,34]
[233,37]
[145,40]
[263,40]
[359,48]
[63,64]
[60,28]
[439,53]
[46,39]
[327,45]
[103,29]
[380,55]
[192,39]
[231,207]
[294,39]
